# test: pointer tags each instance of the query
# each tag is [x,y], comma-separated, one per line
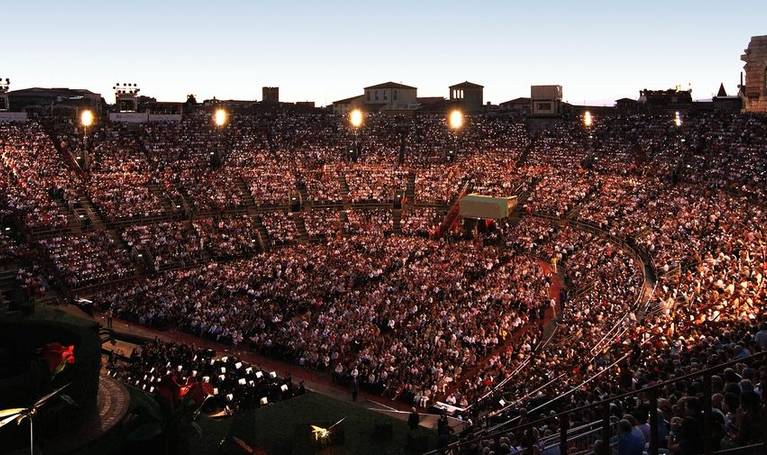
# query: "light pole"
[220,118]
[455,123]
[588,122]
[86,120]
[356,119]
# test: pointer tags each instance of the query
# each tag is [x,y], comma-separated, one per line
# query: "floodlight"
[455,119]
[588,120]
[677,119]
[86,118]
[220,118]
[356,118]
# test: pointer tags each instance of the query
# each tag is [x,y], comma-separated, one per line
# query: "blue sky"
[326,50]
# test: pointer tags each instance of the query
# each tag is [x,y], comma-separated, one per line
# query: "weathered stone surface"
[755,85]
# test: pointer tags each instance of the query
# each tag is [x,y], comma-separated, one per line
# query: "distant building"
[546,100]
[430,100]
[627,105]
[434,104]
[722,102]
[64,100]
[665,98]
[6,115]
[391,96]
[754,91]
[470,96]
[5,85]
[346,105]
[270,94]
[520,105]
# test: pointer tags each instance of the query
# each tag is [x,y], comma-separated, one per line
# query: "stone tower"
[754,91]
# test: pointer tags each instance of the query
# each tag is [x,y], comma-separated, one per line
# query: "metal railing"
[606,427]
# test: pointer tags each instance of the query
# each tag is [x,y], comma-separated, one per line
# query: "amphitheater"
[625,285]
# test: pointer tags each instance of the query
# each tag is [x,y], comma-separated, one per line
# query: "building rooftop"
[348,100]
[430,99]
[56,91]
[390,85]
[521,99]
[465,85]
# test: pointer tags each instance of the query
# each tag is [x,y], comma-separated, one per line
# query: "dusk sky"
[328,50]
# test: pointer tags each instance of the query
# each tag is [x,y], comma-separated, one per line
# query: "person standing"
[413,419]
[355,389]
[110,314]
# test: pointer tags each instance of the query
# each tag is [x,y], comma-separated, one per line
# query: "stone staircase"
[115,236]
[410,188]
[263,234]
[397,220]
[73,220]
[86,208]
[344,184]
[522,160]
[303,192]
[186,206]
[303,235]
[168,205]
[344,222]
[245,189]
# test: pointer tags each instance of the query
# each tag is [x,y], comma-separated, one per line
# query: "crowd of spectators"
[656,231]
[87,259]
[35,181]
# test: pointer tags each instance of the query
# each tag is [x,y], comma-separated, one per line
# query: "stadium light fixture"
[86,118]
[356,118]
[455,119]
[588,120]
[220,117]
[677,119]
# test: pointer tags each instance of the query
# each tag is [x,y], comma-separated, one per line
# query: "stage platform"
[113,404]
